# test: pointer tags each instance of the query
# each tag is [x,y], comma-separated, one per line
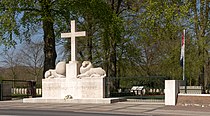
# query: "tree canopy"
[126,37]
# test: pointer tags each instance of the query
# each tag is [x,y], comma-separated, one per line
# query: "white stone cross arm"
[72,35]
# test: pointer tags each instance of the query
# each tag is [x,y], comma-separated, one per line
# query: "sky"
[36,38]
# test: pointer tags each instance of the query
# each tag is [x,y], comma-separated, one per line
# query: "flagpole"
[183,72]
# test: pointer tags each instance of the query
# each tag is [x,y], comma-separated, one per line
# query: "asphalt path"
[27,112]
[18,108]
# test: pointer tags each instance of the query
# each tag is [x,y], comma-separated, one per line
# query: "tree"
[22,17]
[104,28]
[50,14]
[200,15]
[31,56]
[10,61]
[152,38]
[126,37]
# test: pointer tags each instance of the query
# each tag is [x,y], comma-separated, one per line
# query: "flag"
[182,49]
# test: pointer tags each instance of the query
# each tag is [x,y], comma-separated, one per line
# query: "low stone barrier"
[202,100]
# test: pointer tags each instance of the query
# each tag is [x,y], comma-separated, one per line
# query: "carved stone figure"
[58,72]
[87,70]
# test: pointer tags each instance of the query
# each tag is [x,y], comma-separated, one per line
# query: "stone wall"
[202,100]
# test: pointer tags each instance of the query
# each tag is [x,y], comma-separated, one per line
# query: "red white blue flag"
[182,49]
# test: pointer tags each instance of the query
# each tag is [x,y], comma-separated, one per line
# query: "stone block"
[52,88]
[72,69]
[58,88]
[171,92]
[88,100]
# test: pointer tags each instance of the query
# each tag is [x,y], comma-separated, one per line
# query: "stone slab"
[171,92]
[88,100]
[59,88]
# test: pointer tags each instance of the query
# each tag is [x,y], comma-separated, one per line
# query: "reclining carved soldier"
[87,70]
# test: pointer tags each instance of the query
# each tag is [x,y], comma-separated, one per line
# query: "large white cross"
[72,35]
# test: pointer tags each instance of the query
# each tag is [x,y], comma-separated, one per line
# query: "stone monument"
[70,83]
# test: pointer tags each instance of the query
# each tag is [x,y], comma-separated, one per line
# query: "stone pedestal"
[72,89]
[72,69]
[59,88]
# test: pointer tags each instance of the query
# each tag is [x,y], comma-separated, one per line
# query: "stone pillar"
[171,92]
[72,69]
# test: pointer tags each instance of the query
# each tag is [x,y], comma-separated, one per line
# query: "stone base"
[59,88]
[194,100]
[88,100]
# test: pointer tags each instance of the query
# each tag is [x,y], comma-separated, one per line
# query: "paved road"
[116,109]
[27,112]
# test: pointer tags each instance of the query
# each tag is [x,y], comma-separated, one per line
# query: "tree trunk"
[113,66]
[200,23]
[113,51]
[49,37]
[49,46]
[89,36]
